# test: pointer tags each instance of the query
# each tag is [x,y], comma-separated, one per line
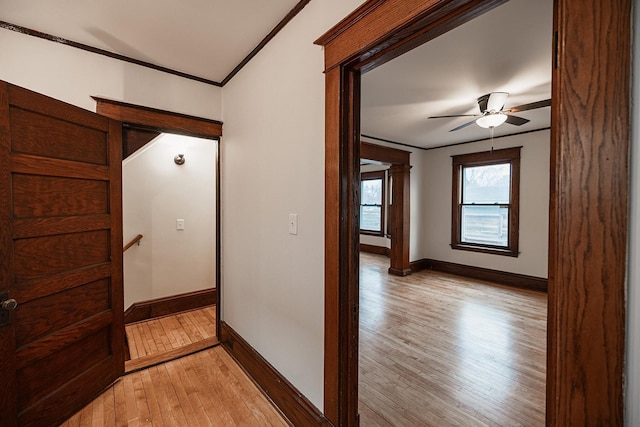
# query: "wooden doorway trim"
[400,210]
[170,122]
[588,201]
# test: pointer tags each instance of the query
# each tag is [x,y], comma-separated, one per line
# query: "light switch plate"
[293,223]
[179,224]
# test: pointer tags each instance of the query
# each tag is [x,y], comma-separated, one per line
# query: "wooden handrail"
[132,242]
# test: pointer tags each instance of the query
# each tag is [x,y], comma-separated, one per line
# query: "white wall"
[156,192]
[436,186]
[273,165]
[73,76]
[632,371]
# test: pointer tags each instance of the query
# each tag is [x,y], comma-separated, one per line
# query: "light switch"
[293,223]
[179,224]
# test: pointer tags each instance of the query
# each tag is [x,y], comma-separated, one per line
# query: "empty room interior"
[461,338]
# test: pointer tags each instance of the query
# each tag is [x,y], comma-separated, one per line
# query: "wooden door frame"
[182,124]
[588,197]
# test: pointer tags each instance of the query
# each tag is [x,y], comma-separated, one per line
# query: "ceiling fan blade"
[455,115]
[515,120]
[463,126]
[496,101]
[531,106]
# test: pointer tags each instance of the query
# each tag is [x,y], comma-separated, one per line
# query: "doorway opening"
[177,153]
[587,250]
[168,192]
[447,330]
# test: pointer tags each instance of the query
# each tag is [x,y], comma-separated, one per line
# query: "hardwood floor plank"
[164,338]
[437,349]
[175,330]
[150,343]
[97,418]
[140,341]
[240,415]
[191,407]
[206,388]
[131,350]
[120,404]
[201,402]
[174,413]
[86,417]
[204,319]
[131,407]
[169,327]
[153,359]
[109,408]
[136,343]
[155,413]
[205,370]
[262,412]
[186,321]
[142,405]
[210,313]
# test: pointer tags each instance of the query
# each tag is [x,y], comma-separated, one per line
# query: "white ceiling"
[205,38]
[507,49]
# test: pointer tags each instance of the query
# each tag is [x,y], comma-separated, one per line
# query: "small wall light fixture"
[179,159]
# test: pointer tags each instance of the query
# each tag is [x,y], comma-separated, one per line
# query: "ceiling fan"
[492,112]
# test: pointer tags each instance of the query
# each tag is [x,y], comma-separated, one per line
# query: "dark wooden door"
[61,257]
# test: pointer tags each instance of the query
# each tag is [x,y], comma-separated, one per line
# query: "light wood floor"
[441,350]
[206,388]
[165,338]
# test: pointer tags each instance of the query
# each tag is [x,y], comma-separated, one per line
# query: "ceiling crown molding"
[284,21]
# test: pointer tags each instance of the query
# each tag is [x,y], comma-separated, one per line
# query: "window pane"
[371,192]
[488,225]
[486,184]
[370,218]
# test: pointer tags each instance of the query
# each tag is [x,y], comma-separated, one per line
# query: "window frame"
[487,158]
[366,176]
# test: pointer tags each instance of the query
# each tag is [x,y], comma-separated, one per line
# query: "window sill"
[372,233]
[485,249]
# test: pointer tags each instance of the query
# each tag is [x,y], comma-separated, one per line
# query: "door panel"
[59,196]
[43,135]
[42,316]
[39,257]
[55,370]
[61,245]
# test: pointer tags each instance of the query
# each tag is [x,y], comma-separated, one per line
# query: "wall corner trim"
[293,404]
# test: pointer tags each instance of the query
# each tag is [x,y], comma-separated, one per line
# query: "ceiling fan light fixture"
[491,120]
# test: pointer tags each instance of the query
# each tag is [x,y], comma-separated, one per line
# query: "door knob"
[9,304]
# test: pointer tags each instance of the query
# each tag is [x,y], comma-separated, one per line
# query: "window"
[485,202]
[372,203]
